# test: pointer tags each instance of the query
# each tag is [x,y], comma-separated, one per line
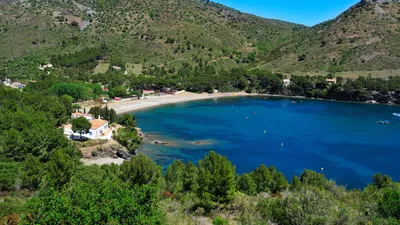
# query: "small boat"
[293,102]
[396,114]
[384,122]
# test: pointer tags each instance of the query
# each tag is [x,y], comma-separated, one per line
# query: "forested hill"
[365,37]
[139,31]
[151,33]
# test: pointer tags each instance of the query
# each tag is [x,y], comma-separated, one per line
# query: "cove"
[342,138]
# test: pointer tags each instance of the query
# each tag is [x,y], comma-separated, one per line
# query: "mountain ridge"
[158,33]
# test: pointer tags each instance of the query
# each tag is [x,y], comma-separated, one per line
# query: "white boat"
[396,114]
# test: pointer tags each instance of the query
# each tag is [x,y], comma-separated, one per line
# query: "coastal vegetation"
[42,181]
[198,46]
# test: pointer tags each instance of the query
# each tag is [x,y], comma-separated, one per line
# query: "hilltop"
[149,34]
[365,37]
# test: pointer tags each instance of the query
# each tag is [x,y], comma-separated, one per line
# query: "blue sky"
[307,12]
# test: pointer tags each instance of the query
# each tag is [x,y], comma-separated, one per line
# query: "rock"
[202,142]
[142,135]
[160,143]
[123,154]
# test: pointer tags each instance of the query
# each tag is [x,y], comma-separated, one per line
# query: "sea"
[341,140]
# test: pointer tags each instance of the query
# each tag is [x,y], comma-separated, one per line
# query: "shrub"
[220,221]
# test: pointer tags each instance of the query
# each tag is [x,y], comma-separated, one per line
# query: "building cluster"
[99,130]
[15,84]
[43,67]
[287,81]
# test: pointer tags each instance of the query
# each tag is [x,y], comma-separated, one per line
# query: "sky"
[306,12]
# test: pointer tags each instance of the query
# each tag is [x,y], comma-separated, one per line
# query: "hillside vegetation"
[168,33]
[365,37]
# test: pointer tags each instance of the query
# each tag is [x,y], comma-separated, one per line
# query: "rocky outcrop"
[160,143]
[123,154]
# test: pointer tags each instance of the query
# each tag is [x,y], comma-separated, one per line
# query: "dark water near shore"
[343,138]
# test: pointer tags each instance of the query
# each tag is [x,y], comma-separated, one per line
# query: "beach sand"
[131,105]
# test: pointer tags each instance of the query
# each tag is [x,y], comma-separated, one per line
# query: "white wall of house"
[93,133]
[97,132]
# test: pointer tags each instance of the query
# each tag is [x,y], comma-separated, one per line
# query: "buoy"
[265,131]
[283,105]
[255,112]
[282,144]
[247,117]
[322,168]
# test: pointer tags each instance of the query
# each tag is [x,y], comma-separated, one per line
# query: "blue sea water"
[342,138]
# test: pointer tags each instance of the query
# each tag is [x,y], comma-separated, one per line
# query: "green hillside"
[167,33]
[148,32]
[365,37]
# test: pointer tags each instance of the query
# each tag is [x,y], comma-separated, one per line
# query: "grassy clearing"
[101,68]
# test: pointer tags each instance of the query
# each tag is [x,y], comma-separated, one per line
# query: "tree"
[381,181]
[389,205]
[262,177]
[295,184]
[174,176]
[190,177]
[81,125]
[246,184]
[127,120]
[32,172]
[119,91]
[128,138]
[216,179]
[67,100]
[60,168]
[141,170]
[96,111]
[9,175]
[102,200]
[312,178]
[269,179]
[112,116]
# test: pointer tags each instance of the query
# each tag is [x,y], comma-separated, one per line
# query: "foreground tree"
[31,172]
[389,205]
[141,170]
[60,168]
[216,180]
[174,176]
[246,184]
[92,197]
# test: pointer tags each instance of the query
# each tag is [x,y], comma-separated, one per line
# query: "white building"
[43,67]
[286,82]
[99,130]
[331,81]
[86,115]
[148,92]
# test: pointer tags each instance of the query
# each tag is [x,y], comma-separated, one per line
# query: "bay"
[342,138]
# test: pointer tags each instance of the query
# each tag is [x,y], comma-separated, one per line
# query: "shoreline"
[127,106]
[132,105]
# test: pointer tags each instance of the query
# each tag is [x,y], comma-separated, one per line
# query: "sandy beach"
[131,105]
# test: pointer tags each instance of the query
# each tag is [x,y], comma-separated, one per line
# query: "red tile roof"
[97,123]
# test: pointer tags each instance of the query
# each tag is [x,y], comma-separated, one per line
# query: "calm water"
[343,138]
